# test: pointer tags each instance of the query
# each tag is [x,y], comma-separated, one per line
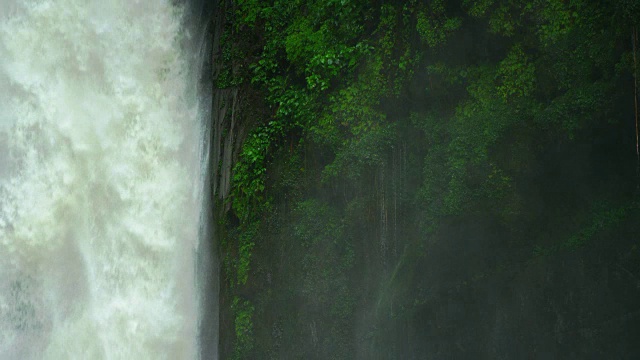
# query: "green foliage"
[244,338]
[355,118]
[478,8]
[247,12]
[245,245]
[317,52]
[604,217]
[460,145]
[576,108]
[558,18]
[249,174]
[433,24]
[601,218]
[229,61]
[515,75]
[550,88]
[361,153]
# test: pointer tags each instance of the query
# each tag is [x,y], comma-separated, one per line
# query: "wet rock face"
[226,140]
[227,128]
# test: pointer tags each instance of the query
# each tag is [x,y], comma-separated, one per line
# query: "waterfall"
[103,146]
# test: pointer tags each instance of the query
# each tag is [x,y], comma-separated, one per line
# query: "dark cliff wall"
[426,180]
[225,143]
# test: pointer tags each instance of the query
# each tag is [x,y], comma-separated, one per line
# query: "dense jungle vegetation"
[441,179]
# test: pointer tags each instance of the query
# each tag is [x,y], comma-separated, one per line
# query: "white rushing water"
[101,171]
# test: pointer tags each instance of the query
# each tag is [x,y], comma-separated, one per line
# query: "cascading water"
[102,168]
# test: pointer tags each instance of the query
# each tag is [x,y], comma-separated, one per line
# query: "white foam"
[98,213]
